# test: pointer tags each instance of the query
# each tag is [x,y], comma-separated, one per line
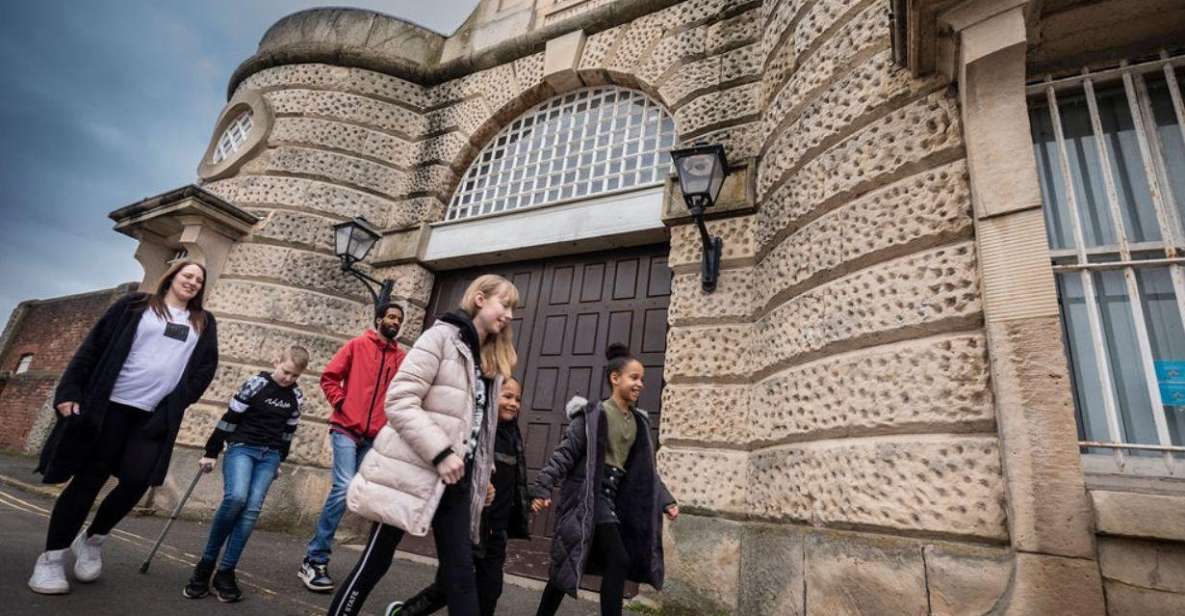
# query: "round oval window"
[233,137]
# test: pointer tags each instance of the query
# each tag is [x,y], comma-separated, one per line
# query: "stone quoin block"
[899,140]
[361,110]
[703,558]
[298,307]
[861,35]
[246,341]
[710,351]
[863,92]
[706,413]
[772,570]
[325,76]
[295,228]
[731,301]
[927,292]
[855,574]
[943,483]
[915,212]
[301,193]
[705,479]
[348,138]
[933,384]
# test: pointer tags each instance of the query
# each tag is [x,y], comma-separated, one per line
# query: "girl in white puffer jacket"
[430,465]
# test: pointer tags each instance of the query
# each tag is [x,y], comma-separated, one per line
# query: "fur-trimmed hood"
[578,405]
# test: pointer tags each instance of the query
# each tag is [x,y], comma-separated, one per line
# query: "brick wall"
[51,331]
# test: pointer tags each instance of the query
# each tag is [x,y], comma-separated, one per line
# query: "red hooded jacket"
[355,383]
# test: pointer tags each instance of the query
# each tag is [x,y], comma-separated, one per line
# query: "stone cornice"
[374,41]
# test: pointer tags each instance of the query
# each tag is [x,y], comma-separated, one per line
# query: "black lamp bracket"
[713,248]
[382,295]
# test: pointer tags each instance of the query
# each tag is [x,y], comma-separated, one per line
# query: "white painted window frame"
[1127,256]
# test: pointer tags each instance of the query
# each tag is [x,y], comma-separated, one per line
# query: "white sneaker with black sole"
[88,556]
[49,574]
[315,576]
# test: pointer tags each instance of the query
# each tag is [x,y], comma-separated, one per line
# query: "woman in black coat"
[611,497]
[120,404]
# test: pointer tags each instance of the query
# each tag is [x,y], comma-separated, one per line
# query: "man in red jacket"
[355,384]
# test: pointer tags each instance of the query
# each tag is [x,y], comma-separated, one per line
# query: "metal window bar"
[1152,154]
[1092,308]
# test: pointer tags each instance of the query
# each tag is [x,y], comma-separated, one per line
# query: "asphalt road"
[267,572]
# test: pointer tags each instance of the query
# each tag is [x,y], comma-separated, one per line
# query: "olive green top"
[623,429]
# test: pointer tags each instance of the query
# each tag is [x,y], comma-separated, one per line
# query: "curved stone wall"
[829,404]
[839,373]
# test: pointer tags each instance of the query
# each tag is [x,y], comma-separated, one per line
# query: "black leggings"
[122,450]
[488,564]
[608,548]
[450,528]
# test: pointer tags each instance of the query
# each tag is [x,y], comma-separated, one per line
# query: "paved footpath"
[267,572]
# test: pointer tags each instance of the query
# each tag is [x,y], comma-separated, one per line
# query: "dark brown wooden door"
[571,309]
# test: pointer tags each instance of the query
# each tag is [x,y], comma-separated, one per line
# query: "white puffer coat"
[429,409]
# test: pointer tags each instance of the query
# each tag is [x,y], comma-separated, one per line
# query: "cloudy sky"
[106,103]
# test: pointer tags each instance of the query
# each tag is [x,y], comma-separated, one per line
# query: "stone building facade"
[880,408]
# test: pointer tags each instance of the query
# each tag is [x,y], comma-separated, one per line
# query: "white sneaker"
[49,574]
[88,556]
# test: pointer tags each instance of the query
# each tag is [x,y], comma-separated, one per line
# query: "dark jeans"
[608,548]
[488,565]
[247,473]
[122,450]
[450,527]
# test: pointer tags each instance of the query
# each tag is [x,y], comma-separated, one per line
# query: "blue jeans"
[347,456]
[247,473]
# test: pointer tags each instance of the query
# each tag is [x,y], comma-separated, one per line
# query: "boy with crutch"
[257,429]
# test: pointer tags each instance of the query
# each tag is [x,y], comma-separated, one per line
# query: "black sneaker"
[315,576]
[225,586]
[199,583]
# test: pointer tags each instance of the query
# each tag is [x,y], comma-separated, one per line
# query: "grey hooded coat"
[640,500]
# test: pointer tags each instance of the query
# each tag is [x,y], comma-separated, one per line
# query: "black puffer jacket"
[640,500]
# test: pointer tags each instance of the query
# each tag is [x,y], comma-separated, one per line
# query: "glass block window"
[589,142]
[1110,148]
[233,137]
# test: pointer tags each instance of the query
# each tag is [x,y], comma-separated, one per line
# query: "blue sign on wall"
[1170,375]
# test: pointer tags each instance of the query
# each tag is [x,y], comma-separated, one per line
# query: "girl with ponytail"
[430,465]
[611,497]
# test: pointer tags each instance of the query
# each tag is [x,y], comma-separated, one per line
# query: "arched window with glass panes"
[591,142]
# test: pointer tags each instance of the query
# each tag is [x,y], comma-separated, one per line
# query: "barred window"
[233,137]
[1110,148]
[585,143]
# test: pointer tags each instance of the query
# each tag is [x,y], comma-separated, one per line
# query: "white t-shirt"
[157,360]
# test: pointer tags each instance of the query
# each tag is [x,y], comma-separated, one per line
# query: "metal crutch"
[176,512]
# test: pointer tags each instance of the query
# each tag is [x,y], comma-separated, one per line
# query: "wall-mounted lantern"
[701,172]
[353,240]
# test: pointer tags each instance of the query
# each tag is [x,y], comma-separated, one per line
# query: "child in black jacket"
[257,429]
[611,502]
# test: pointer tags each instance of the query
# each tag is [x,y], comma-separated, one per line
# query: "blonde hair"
[498,356]
[298,355]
